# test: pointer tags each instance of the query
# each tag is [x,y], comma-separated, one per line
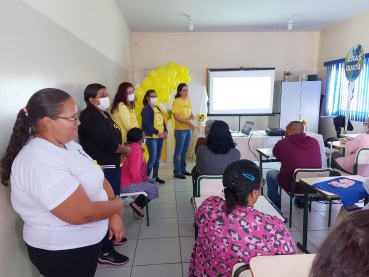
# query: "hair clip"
[248,176]
[25,111]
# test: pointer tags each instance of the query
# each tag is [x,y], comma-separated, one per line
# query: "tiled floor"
[164,248]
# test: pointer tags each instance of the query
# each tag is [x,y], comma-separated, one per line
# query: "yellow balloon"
[179,69]
[186,69]
[164,78]
[171,85]
[139,92]
[186,78]
[171,64]
[156,79]
[178,81]
[166,88]
[147,83]
[163,97]
[180,76]
[161,69]
[138,107]
[172,72]
[153,74]
[158,86]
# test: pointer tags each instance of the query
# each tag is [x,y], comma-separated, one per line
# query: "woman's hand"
[166,134]
[161,135]
[116,228]
[192,117]
[192,127]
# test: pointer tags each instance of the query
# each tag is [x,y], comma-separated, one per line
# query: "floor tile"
[159,228]
[166,171]
[185,268]
[183,187]
[113,272]
[183,196]
[167,187]
[157,251]
[185,226]
[131,228]
[167,178]
[293,227]
[162,270]
[165,198]
[127,249]
[315,221]
[318,237]
[297,236]
[321,207]
[285,206]
[162,211]
[334,215]
[185,209]
[186,248]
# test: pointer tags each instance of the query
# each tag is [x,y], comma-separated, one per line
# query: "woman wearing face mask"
[134,173]
[153,125]
[123,109]
[101,138]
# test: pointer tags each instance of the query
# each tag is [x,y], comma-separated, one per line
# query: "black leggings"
[335,156]
[78,262]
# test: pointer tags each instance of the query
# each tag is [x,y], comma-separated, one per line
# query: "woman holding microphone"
[182,112]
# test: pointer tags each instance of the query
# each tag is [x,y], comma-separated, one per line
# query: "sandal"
[136,209]
[136,215]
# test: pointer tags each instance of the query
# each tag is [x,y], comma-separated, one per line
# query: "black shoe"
[180,176]
[160,181]
[186,173]
[299,203]
[122,241]
[113,258]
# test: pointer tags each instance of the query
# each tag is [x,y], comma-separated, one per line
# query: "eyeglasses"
[75,118]
[152,96]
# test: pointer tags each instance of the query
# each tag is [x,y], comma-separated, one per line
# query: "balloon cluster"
[164,80]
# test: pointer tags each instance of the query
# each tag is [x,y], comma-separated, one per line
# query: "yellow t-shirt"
[158,122]
[184,109]
[125,118]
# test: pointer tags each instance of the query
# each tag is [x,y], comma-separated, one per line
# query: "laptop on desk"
[246,130]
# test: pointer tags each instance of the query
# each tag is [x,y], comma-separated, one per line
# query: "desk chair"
[305,173]
[209,185]
[147,204]
[361,166]
[241,270]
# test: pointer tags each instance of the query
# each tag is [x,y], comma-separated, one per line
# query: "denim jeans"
[113,177]
[183,139]
[273,187]
[154,145]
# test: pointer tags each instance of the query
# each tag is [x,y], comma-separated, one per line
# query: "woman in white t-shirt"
[60,193]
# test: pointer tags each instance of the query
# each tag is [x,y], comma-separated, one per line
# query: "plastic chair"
[241,270]
[209,185]
[147,204]
[305,173]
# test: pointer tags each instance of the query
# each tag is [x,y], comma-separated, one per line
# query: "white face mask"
[153,100]
[104,103]
[131,97]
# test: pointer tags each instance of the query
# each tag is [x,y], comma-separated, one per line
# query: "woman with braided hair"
[231,231]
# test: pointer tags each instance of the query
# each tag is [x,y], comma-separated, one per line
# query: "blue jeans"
[183,140]
[113,177]
[154,145]
[273,187]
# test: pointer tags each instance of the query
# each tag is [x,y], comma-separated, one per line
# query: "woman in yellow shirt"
[182,112]
[123,109]
[153,125]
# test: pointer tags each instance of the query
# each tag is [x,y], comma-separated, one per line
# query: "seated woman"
[219,151]
[134,173]
[231,231]
[345,251]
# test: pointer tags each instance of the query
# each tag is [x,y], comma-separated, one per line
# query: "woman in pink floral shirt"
[231,231]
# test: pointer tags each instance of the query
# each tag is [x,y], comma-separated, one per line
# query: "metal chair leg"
[330,213]
[310,206]
[147,213]
[290,223]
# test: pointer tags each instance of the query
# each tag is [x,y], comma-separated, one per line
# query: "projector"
[274,132]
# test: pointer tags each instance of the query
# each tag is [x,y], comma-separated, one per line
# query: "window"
[337,92]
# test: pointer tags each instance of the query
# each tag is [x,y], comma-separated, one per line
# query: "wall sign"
[354,62]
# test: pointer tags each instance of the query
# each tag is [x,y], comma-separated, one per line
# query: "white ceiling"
[237,15]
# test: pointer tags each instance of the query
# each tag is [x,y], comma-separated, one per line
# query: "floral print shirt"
[223,240]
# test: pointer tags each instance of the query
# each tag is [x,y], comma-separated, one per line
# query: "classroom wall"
[40,49]
[334,44]
[290,51]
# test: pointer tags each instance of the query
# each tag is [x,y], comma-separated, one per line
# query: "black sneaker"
[180,176]
[186,173]
[299,203]
[122,241]
[113,258]
[160,181]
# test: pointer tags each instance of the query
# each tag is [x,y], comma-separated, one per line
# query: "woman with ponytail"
[231,231]
[60,193]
